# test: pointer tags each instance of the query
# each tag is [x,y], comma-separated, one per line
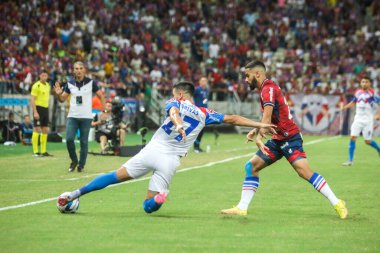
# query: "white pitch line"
[146,178]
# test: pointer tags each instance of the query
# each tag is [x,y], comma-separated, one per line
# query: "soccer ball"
[70,207]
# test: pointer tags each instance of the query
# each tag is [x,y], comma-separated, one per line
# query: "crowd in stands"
[135,46]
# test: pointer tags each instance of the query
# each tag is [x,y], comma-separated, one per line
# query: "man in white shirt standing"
[80,90]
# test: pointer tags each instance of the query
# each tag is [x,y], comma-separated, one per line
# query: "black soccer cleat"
[198,150]
[80,168]
[46,154]
[73,165]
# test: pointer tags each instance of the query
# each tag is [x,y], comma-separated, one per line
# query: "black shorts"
[44,117]
[98,134]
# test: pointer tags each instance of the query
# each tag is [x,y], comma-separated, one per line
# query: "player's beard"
[253,84]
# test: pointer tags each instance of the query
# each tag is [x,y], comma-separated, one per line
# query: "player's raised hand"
[57,88]
[250,135]
[182,132]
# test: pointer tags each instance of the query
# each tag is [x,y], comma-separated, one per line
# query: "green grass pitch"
[286,215]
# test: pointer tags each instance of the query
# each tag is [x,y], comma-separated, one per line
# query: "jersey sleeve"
[377,99]
[34,91]
[268,95]
[66,88]
[213,117]
[95,86]
[170,103]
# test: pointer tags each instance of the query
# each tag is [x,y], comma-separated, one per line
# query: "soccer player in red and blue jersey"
[286,142]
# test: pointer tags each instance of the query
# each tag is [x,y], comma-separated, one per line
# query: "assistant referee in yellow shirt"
[40,103]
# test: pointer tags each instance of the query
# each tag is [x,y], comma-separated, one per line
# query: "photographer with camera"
[109,126]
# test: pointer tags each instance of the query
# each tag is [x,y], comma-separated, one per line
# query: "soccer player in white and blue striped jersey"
[364,100]
[162,154]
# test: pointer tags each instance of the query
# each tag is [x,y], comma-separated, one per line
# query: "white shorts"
[364,127]
[163,167]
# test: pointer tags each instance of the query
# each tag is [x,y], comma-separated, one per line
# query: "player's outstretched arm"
[377,116]
[241,121]
[347,106]
[177,121]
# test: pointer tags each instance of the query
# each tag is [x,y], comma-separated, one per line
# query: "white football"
[70,207]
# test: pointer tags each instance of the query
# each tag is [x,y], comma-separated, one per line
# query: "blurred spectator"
[10,130]
[132,40]
[26,131]
[201,95]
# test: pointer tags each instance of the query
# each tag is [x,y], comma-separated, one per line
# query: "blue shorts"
[291,148]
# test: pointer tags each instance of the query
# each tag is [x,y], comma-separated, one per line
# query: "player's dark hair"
[44,71]
[253,64]
[367,78]
[185,86]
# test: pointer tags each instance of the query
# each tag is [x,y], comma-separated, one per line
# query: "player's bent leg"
[319,183]
[250,185]
[159,184]
[302,167]
[373,144]
[154,201]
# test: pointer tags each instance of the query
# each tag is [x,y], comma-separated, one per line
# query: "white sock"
[320,184]
[249,188]
[246,198]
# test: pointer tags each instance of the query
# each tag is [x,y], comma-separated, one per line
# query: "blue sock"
[351,150]
[100,182]
[374,145]
[150,205]
[251,183]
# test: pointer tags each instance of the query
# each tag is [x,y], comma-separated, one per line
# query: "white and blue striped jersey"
[365,101]
[167,140]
